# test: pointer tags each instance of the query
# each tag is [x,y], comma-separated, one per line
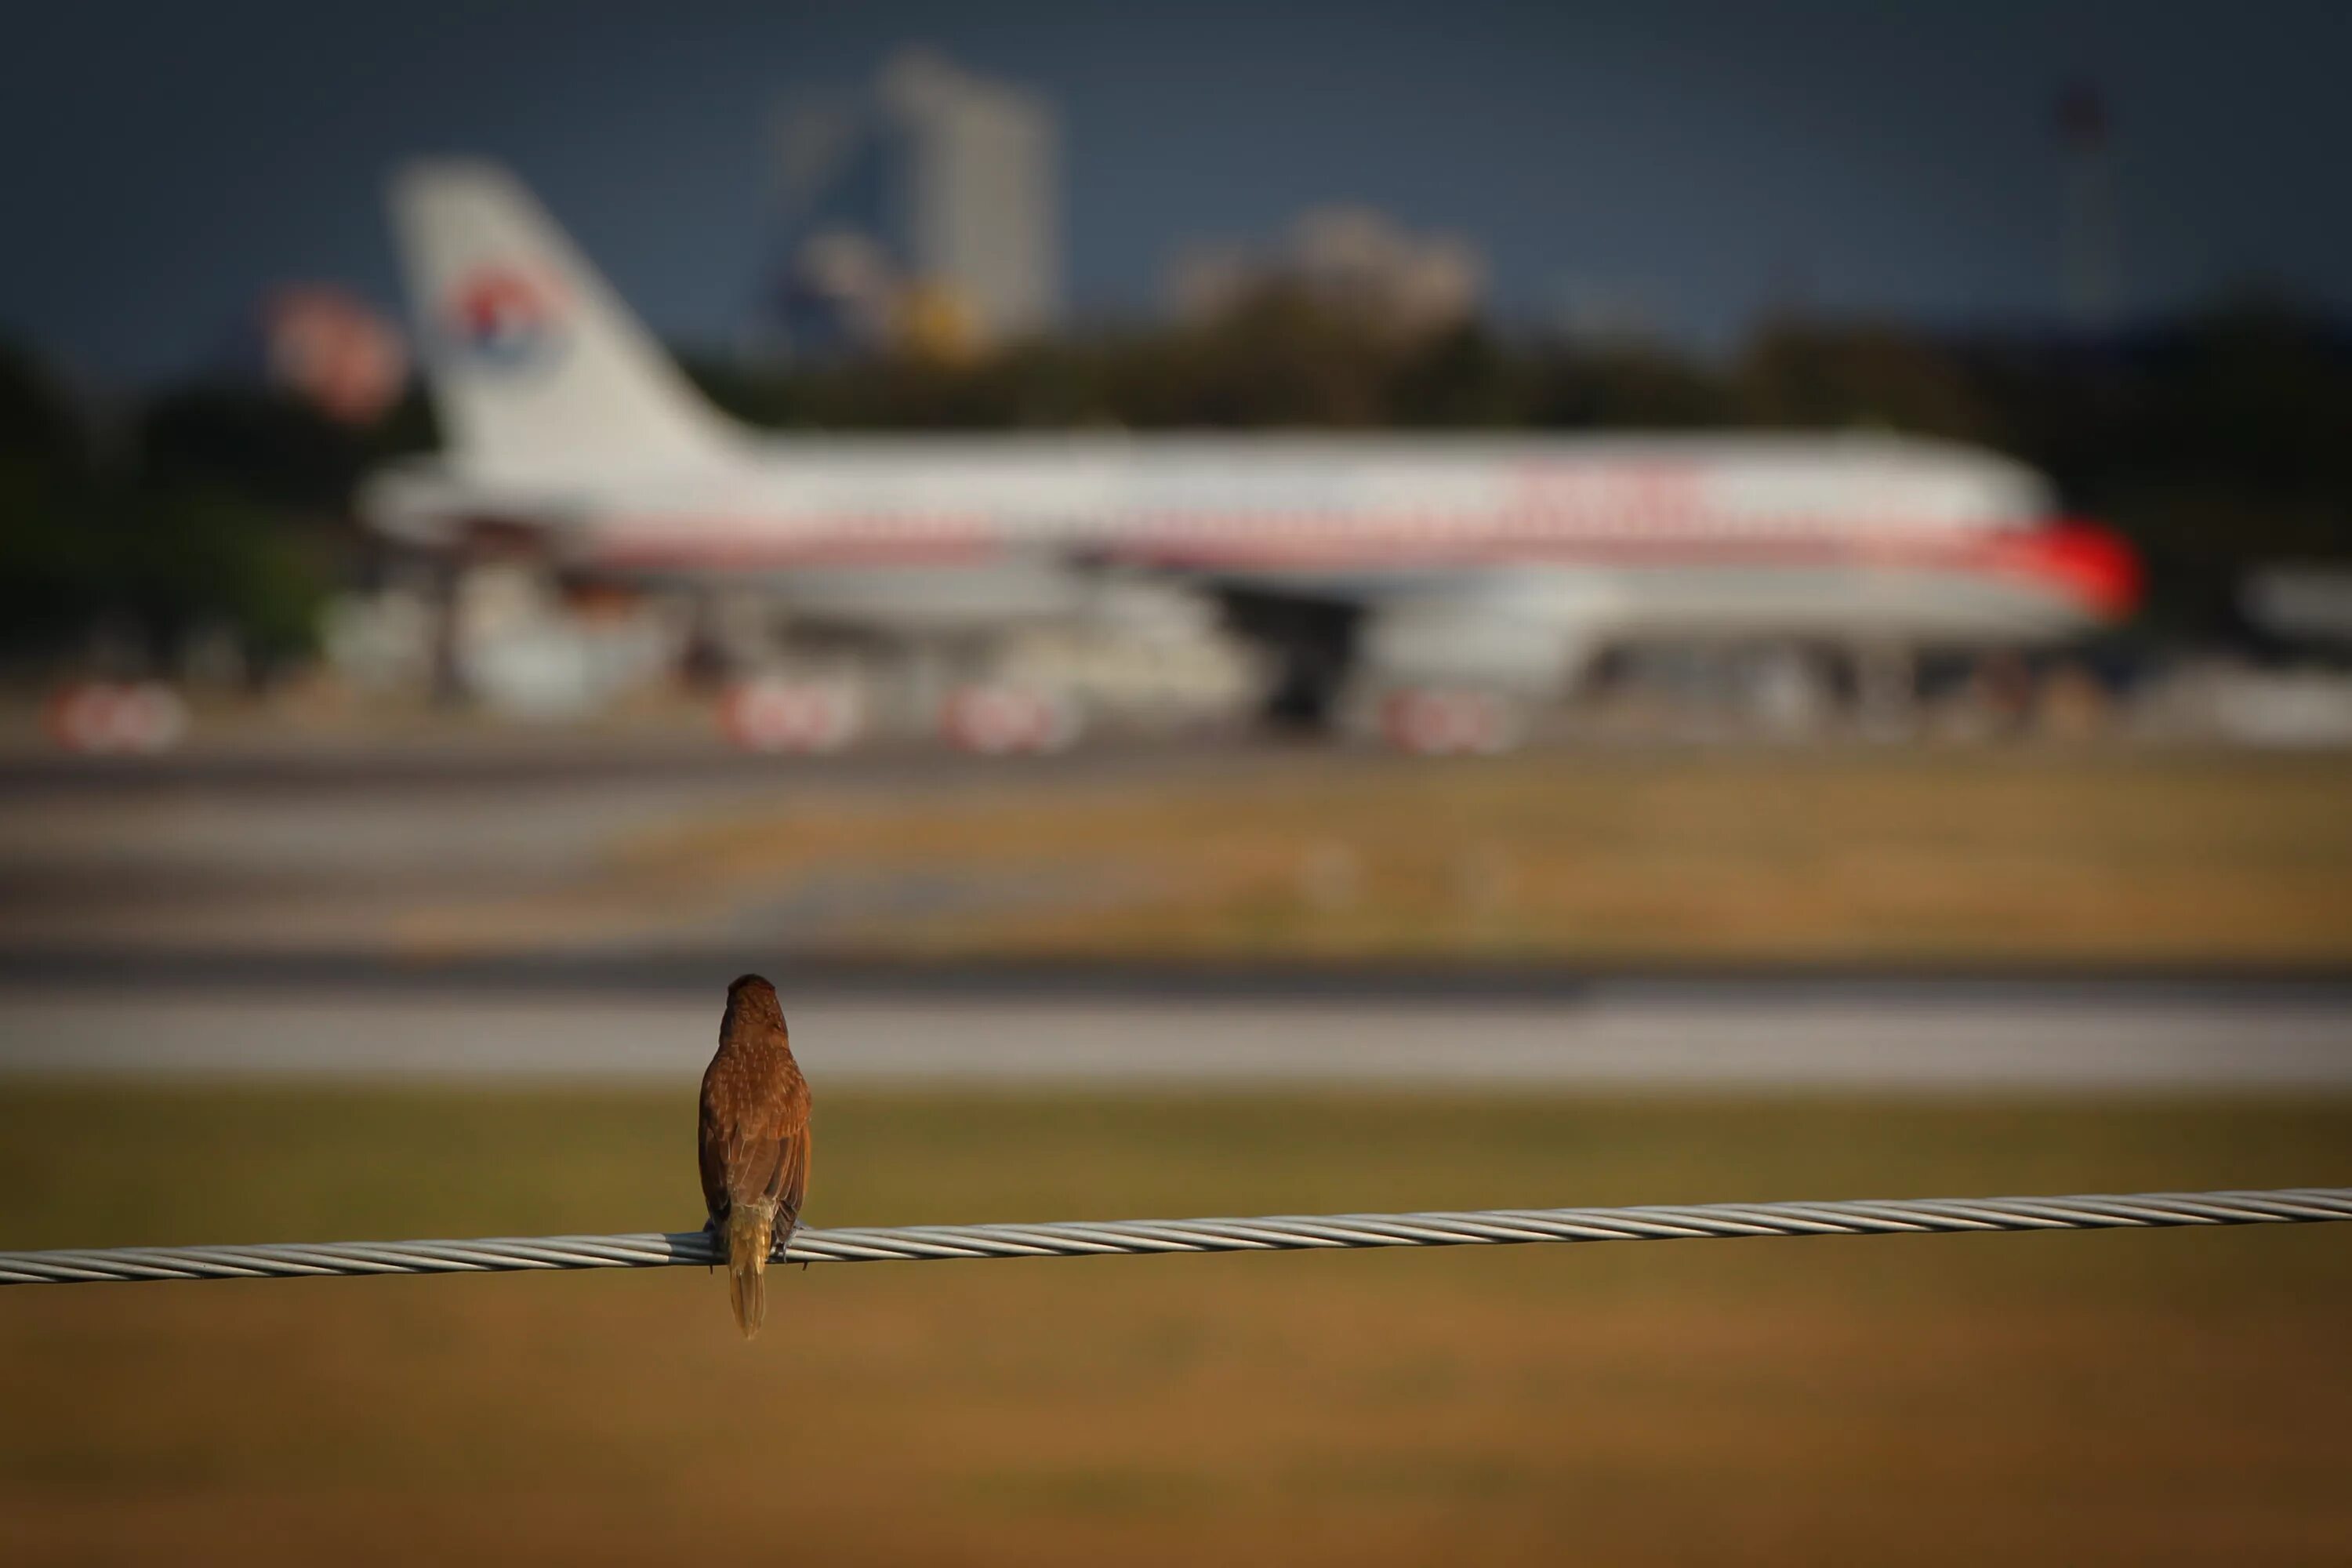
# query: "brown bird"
[754,1141]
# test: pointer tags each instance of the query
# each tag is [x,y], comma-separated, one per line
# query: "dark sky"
[166,164]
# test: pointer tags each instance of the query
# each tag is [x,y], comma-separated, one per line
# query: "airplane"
[1483,572]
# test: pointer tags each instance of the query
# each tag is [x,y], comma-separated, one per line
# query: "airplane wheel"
[117,720]
[799,717]
[997,720]
[1438,724]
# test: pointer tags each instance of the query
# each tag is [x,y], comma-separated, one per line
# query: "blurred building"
[926,208]
[840,293]
[1352,259]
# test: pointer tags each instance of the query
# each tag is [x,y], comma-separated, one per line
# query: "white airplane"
[1394,564]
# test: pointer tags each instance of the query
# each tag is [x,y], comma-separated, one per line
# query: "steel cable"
[1275,1233]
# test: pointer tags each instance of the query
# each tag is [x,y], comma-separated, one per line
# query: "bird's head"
[752,996]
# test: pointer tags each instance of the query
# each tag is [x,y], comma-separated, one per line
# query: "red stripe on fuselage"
[2080,560]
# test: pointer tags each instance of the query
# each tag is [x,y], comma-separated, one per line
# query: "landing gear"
[1885,690]
[1313,646]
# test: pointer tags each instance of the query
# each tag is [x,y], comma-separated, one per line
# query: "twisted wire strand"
[1273,1233]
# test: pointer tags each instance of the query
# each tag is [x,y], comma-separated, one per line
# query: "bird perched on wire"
[753,1143]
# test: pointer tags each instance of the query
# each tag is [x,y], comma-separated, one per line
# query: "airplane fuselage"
[1860,535]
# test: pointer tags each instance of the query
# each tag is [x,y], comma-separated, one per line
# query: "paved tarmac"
[2077,1038]
[251,914]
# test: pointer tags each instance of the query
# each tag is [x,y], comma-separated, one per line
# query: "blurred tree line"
[2215,440]
[131,529]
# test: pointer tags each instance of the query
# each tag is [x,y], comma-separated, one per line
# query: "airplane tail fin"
[534,363]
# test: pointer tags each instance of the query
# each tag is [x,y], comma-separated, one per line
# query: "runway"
[521,911]
[1916,1038]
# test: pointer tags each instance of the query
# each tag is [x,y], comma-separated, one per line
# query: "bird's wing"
[790,1183]
[710,1155]
[752,1158]
[787,1182]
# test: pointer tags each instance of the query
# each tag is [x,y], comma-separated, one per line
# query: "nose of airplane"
[2090,562]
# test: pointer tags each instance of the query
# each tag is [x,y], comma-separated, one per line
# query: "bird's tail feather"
[749,1234]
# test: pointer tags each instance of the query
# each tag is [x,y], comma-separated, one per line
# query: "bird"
[752,1142]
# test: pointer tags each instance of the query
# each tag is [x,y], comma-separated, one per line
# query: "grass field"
[2171,1397]
[2031,856]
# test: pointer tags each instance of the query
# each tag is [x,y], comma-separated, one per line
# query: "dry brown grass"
[1855,856]
[2177,1397]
